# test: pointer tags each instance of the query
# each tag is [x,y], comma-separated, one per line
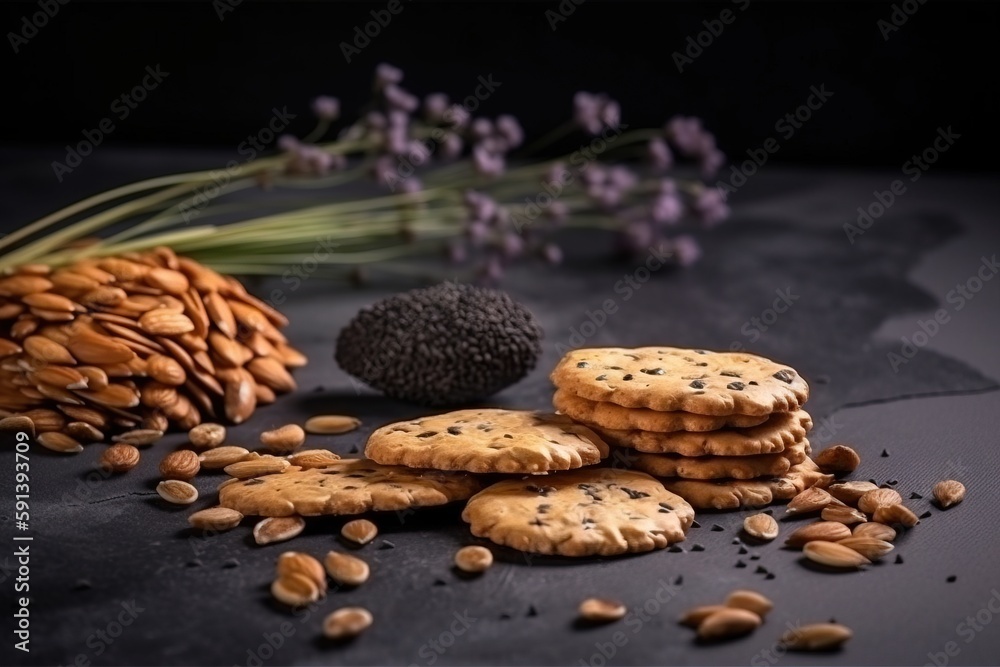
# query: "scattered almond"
[331,424]
[59,442]
[893,514]
[220,457]
[876,530]
[284,440]
[119,458]
[948,493]
[843,514]
[346,623]
[812,499]
[83,431]
[138,437]
[833,554]
[694,616]
[872,500]
[177,492]
[816,637]
[762,526]
[295,590]
[215,519]
[728,623]
[473,559]
[602,610]
[313,458]
[278,529]
[850,492]
[360,531]
[182,464]
[751,601]
[265,465]
[207,435]
[837,459]
[346,569]
[869,547]
[295,562]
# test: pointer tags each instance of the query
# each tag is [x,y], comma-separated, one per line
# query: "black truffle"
[444,345]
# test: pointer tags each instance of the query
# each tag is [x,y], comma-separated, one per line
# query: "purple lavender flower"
[457,253]
[685,133]
[510,129]
[711,207]
[686,250]
[411,185]
[396,139]
[621,177]
[659,154]
[451,145]
[552,253]
[375,120]
[326,108]
[457,116]
[486,163]
[557,211]
[595,112]
[712,162]
[435,106]
[398,98]
[288,143]
[418,153]
[384,170]
[481,128]
[512,245]
[667,209]
[386,74]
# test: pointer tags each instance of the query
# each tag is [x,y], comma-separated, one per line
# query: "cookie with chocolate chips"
[730,494]
[612,416]
[781,431]
[720,467]
[349,486]
[488,441]
[675,379]
[592,512]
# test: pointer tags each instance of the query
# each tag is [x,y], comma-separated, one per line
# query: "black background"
[226,75]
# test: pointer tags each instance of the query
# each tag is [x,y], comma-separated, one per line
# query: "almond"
[837,459]
[177,492]
[216,519]
[331,424]
[286,439]
[345,569]
[827,531]
[51,301]
[220,314]
[172,282]
[346,622]
[751,601]
[163,322]
[220,457]
[872,500]
[895,514]
[359,531]
[948,493]
[271,372]
[812,499]
[761,526]
[139,436]
[816,637]
[842,514]
[182,464]
[295,590]
[82,431]
[59,442]
[265,465]
[313,458]
[850,492]
[91,348]
[472,559]
[21,285]
[728,623]
[869,547]
[207,435]
[18,423]
[240,400]
[833,554]
[278,529]
[876,530]
[294,562]
[166,370]
[119,458]
[48,351]
[602,610]
[693,617]
[113,396]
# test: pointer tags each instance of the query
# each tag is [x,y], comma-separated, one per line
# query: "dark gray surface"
[99,544]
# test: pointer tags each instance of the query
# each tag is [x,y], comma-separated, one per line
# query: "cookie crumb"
[899,559]
[760,569]
[697,547]
[230,563]
[532,611]
[679,580]
[951,579]
[925,515]
[915,496]
[885,453]
[674,549]
[770,575]
[716,528]
[740,563]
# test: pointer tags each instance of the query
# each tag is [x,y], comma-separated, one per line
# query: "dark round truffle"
[444,345]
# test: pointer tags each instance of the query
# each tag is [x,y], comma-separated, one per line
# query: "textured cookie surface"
[591,512]
[613,416]
[510,441]
[734,494]
[669,379]
[781,431]
[719,467]
[349,486]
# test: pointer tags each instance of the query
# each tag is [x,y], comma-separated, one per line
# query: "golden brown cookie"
[508,441]
[731,494]
[349,486]
[612,416]
[669,379]
[591,512]
[720,467]
[782,430]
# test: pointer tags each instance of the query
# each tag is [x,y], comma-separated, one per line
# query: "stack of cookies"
[722,430]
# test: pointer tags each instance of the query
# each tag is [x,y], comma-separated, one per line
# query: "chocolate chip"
[667,506]
[532,611]
[194,563]
[915,496]
[926,515]
[427,434]
[760,570]
[653,371]
[754,556]
[353,449]
[899,559]
[740,563]
[508,436]
[716,528]
[885,453]
[735,386]
[743,551]
[504,617]
[615,368]
[600,378]
[700,352]
[769,575]
[702,364]
[729,374]
[754,383]
[674,549]
[583,364]
[697,547]
[697,384]
[679,580]
[951,579]
[454,430]
[627,377]
[784,376]
[544,507]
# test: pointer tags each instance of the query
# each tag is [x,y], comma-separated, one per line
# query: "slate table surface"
[116,577]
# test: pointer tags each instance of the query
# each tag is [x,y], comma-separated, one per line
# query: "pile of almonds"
[136,344]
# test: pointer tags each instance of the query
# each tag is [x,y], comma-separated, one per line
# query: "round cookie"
[781,431]
[669,379]
[730,494]
[484,441]
[592,512]
[720,467]
[612,416]
[349,486]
